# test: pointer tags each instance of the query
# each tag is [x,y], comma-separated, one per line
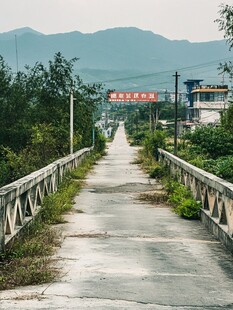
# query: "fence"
[215,194]
[21,200]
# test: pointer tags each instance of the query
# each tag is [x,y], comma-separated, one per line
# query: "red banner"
[133,96]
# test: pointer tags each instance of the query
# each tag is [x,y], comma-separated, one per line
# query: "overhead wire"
[142,76]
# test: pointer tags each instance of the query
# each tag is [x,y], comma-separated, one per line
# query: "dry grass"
[154,196]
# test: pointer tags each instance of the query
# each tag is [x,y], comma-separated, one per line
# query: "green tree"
[153,141]
[227,120]
[35,115]
[225,23]
[213,141]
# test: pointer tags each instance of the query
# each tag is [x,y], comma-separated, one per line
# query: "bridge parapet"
[21,200]
[215,194]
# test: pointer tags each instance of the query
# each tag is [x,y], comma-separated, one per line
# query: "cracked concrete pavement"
[122,253]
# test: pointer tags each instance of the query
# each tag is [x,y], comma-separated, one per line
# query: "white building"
[208,102]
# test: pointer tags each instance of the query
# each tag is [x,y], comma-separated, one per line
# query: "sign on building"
[133,96]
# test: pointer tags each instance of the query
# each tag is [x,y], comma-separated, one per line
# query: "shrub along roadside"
[28,260]
[179,196]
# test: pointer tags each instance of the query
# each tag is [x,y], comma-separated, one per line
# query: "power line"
[202,65]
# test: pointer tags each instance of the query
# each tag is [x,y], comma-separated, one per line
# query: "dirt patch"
[30,297]
[90,235]
[153,196]
[128,188]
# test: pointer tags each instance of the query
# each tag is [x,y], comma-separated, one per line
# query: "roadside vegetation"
[28,260]
[34,131]
[210,148]
[34,118]
[207,147]
[177,195]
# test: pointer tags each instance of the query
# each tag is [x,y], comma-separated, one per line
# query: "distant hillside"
[119,53]
[10,35]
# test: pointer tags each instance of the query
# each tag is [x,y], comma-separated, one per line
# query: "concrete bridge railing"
[215,194]
[21,200]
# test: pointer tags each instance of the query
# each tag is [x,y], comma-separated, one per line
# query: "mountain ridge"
[116,50]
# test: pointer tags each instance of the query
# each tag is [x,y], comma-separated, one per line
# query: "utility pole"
[176,108]
[93,129]
[71,118]
[150,117]
[16,52]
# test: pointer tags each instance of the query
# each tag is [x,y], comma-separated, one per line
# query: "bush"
[188,208]
[100,142]
[5,173]
[224,168]
[182,200]
[158,172]
[154,141]
[138,138]
[215,142]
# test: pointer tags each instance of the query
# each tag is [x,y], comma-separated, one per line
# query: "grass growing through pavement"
[28,260]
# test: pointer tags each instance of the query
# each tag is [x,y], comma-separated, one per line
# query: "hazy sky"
[175,19]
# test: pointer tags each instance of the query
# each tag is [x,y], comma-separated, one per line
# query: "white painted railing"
[215,194]
[21,200]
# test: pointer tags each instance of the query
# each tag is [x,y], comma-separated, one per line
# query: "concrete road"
[121,253]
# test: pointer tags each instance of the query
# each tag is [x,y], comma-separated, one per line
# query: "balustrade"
[214,193]
[21,200]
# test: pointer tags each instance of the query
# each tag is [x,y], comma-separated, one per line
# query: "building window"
[212,97]
[195,97]
[207,97]
[220,96]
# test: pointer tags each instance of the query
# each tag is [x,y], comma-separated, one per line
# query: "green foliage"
[5,172]
[182,200]
[225,22]
[60,202]
[221,167]
[211,148]
[100,142]
[227,119]
[138,138]
[198,161]
[154,141]
[16,165]
[158,171]
[214,141]
[179,195]
[188,208]
[35,116]
[55,205]
[224,167]
[27,261]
